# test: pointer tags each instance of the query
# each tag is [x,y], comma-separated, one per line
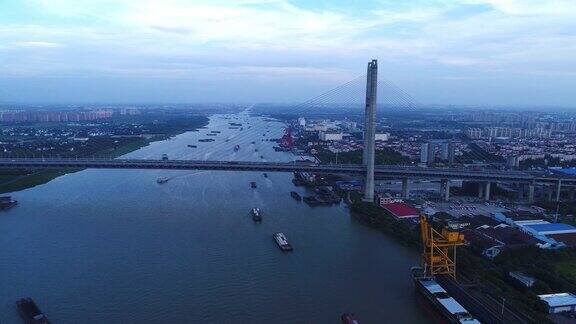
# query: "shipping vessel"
[447,306]
[30,312]
[162,180]
[192,146]
[164,157]
[348,318]
[6,202]
[256,215]
[252,184]
[295,195]
[282,242]
[236,148]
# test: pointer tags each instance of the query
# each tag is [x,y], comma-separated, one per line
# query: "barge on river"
[446,305]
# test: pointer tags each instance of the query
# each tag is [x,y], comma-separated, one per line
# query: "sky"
[473,52]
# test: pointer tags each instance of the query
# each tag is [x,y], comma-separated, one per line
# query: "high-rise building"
[424,153]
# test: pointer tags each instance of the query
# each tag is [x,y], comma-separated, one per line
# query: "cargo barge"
[30,312]
[6,202]
[256,215]
[447,306]
[295,195]
[282,242]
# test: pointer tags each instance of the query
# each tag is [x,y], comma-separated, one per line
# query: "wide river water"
[113,246]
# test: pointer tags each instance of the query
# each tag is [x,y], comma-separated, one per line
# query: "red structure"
[287,141]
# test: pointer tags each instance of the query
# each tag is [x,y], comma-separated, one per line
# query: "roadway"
[380,170]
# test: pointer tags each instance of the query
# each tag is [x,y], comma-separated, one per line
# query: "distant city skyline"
[461,52]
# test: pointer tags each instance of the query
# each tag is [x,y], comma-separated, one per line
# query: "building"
[302,122]
[522,278]
[431,153]
[401,210]
[560,302]
[330,136]
[424,153]
[382,137]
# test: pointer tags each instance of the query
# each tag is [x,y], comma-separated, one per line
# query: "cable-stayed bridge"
[354,94]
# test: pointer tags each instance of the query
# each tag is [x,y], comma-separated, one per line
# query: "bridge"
[445,175]
[553,183]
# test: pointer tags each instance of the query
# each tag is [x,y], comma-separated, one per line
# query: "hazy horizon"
[508,53]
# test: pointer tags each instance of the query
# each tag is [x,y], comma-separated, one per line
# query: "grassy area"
[566,269]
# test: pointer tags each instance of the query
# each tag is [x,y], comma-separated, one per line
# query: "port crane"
[439,249]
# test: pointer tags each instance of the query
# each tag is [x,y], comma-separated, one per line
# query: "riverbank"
[490,277]
[17,180]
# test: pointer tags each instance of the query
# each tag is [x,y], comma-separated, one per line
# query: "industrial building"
[559,303]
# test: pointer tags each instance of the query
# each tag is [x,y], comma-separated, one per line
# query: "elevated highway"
[380,171]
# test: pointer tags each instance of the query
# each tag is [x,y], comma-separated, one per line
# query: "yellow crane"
[439,252]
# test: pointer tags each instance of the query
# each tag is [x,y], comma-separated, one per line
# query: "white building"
[302,121]
[330,136]
[382,137]
[559,303]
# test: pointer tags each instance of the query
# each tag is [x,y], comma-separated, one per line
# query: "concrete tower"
[370,129]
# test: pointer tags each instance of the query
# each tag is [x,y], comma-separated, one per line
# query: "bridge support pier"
[530,193]
[445,188]
[487,191]
[370,129]
[558,190]
[481,189]
[405,189]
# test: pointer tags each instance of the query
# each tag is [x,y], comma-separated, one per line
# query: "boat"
[164,156]
[261,156]
[211,134]
[295,195]
[253,184]
[349,318]
[192,146]
[162,180]
[265,175]
[216,132]
[446,305]
[282,242]
[30,312]
[6,202]
[236,148]
[253,142]
[206,140]
[256,216]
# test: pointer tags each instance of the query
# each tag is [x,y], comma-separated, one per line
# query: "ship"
[282,242]
[30,312]
[295,195]
[164,156]
[447,306]
[6,202]
[252,184]
[206,140]
[192,146]
[236,148]
[216,132]
[256,216]
[162,180]
[349,318]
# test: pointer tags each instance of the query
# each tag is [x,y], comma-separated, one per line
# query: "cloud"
[276,38]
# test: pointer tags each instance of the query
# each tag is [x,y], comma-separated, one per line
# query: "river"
[113,246]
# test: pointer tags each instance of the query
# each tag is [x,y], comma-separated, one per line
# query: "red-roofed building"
[401,210]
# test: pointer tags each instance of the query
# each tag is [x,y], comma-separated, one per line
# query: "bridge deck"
[380,171]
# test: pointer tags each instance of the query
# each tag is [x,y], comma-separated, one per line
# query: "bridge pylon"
[370,129]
